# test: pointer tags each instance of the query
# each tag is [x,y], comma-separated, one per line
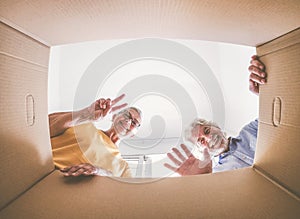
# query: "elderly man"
[80,149]
[209,141]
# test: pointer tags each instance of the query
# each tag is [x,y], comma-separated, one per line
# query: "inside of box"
[28,175]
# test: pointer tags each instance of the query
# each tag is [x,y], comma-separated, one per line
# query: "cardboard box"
[30,187]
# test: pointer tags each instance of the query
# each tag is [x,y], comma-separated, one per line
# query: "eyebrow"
[131,117]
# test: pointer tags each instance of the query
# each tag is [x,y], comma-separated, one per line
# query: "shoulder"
[251,127]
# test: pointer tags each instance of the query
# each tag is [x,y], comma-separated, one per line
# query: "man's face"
[210,137]
[126,123]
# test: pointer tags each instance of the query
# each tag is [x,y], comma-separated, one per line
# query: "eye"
[207,130]
[135,123]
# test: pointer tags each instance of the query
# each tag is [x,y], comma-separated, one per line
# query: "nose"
[204,140]
[126,123]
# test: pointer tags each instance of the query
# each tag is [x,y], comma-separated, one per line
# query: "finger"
[89,172]
[66,169]
[107,103]
[115,108]
[257,63]
[101,103]
[186,151]
[79,169]
[107,107]
[78,172]
[172,158]
[170,167]
[87,166]
[74,168]
[254,57]
[257,79]
[257,71]
[117,99]
[91,169]
[253,86]
[207,159]
[206,154]
[88,169]
[177,152]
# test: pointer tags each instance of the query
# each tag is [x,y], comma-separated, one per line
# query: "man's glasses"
[134,122]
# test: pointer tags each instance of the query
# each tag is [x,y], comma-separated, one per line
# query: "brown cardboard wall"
[237,194]
[25,152]
[25,156]
[278,145]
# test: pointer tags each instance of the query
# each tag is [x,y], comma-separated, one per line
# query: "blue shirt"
[241,150]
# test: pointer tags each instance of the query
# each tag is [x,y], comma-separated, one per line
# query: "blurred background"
[163,105]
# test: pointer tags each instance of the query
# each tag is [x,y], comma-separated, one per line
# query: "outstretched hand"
[101,107]
[257,75]
[84,169]
[61,121]
[189,165]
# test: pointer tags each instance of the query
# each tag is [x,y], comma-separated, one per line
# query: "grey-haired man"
[208,138]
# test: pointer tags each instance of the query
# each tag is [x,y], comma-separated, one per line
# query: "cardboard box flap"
[280,99]
[237,194]
[26,154]
[240,22]
[18,45]
[277,153]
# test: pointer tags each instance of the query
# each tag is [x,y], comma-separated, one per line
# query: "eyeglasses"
[134,122]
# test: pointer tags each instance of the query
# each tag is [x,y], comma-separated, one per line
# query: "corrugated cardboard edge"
[273,180]
[20,29]
[286,40]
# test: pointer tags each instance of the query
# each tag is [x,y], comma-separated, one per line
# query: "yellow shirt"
[86,144]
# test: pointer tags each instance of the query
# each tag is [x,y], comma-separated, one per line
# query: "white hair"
[131,108]
[188,134]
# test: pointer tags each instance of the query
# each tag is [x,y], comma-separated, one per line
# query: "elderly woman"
[80,149]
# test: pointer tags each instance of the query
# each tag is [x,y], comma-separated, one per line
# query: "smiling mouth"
[124,127]
[215,140]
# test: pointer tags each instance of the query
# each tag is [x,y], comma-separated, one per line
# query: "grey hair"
[188,133]
[131,108]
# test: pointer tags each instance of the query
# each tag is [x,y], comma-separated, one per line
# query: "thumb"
[206,159]
[206,154]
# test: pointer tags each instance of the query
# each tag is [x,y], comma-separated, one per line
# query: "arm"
[190,165]
[61,121]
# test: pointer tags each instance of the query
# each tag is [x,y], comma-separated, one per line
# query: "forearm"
[59,122]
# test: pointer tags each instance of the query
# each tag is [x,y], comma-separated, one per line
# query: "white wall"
[229,63]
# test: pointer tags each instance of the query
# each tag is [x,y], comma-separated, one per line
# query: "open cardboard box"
[30,187]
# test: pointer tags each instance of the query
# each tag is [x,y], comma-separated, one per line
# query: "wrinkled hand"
[84,169]
[257,75]
[189,165]
[101,107]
